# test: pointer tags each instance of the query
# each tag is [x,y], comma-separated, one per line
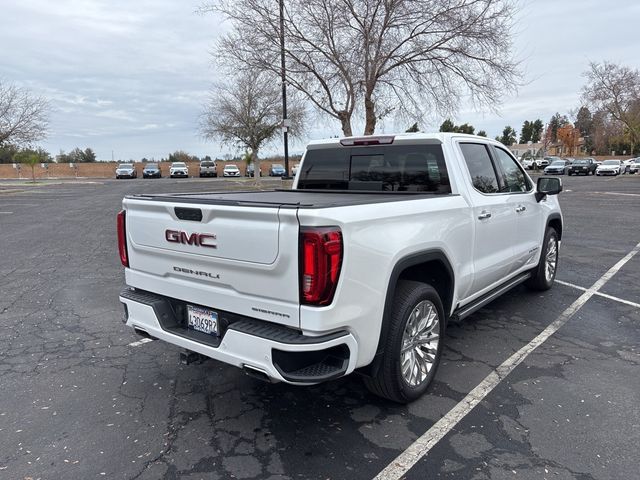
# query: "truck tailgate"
[240,259]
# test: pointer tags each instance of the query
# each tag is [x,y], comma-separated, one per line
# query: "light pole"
[285,121]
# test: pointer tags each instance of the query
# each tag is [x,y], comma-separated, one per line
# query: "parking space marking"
[20,204]
[421,447]
[600,294]
[140,342]
[6,213]
[616,193]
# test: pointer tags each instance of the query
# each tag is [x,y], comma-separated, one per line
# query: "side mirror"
[548,186]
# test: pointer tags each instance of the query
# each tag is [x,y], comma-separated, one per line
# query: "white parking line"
[6,213]
[140,342]
[421,447]
[616,193]
[600,294]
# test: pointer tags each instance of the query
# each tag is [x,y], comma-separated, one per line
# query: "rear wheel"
[413,346]
[544,274]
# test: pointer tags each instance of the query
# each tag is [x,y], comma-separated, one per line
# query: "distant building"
[519,149]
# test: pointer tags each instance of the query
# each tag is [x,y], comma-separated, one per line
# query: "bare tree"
[23,116]
[615,89]
[248,113]
[378,57]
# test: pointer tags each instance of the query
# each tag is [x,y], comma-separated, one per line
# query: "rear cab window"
[388,168]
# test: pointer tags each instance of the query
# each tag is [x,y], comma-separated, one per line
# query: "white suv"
[179,169]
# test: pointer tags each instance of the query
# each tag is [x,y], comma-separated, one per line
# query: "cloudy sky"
[129,77]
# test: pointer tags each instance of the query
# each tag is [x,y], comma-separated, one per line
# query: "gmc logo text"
[195,239]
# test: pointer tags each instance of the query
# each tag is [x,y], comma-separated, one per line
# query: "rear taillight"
[320,261]
[122,238]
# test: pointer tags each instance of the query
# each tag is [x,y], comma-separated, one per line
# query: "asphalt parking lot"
[81,397]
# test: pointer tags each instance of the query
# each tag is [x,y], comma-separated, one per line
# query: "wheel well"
[426,267]
[557,225]
[436,274]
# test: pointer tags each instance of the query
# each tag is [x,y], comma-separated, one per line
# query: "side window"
[513,179]
[478,160]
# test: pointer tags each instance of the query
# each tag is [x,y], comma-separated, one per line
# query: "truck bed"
[286,198]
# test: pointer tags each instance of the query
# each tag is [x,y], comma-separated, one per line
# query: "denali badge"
[195,239]
[200,273]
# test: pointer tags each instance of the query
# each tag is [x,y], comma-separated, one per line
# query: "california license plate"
[202,319]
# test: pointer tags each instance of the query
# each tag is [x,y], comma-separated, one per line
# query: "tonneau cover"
[286,198]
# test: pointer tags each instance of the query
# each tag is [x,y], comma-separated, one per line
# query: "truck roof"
[398,138]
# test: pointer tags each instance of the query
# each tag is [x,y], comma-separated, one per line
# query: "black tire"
[540,280]
[389,381]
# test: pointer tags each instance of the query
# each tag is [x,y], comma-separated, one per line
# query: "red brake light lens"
[320,262]
[368,140]
[122,238]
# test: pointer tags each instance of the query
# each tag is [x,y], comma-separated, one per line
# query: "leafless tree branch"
[410,57]
[247,113]
[23,116]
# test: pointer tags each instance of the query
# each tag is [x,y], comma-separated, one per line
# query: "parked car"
[626,165]
[179,169]
[582,166]
[208,168]
[609,167]
[635,166]
[151,170]
[277,170]
[558,167]
[302,288]
[528,163]
[231,171]
[545,161]
[250,170]
[126,170]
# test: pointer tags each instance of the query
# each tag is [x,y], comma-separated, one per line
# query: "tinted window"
[398,168]
[207,164]
[483,175]
[513,178]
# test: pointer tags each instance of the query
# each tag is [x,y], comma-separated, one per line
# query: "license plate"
[202,319]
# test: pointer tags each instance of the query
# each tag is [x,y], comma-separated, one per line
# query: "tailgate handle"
[192,214]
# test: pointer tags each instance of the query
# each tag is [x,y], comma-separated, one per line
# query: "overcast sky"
[131,76]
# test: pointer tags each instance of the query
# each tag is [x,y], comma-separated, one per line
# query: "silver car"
[208,168]
[126,170]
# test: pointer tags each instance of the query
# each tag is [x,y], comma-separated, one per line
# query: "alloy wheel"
[420,342]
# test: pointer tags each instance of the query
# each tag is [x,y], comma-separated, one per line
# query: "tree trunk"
[256,164]
[33,173]
[345,121]
[370,115]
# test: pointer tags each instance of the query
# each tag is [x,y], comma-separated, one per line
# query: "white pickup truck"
[380,243]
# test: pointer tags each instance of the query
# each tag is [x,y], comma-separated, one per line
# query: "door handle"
[520,208]
[484,215]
